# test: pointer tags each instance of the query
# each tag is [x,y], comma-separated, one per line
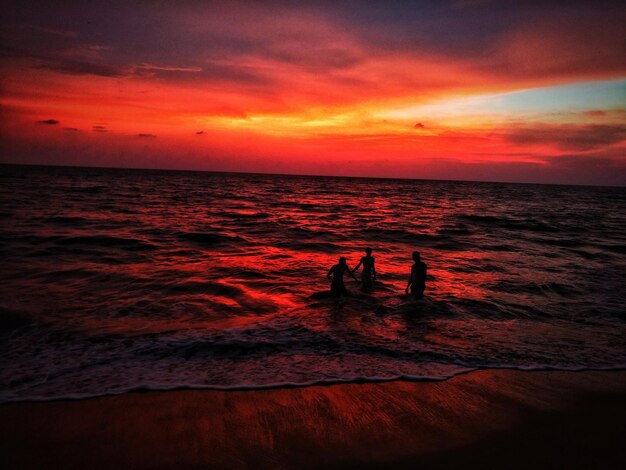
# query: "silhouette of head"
[368,251]
[342,260]
[416,256]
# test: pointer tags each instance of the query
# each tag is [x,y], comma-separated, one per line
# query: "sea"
[118,280]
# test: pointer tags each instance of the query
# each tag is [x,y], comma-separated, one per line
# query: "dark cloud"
[603,168]
[86,51]
[169,68]
[59,62]
[584,162]
[151,136]
[55,32]
[233,73]
[76,67]
[199,132]
[419,125]
[568,137]
[207,41]
[99,129]
[71,129]
[48,121]
[312,56]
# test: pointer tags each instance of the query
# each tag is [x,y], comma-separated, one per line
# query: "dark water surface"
[114,280]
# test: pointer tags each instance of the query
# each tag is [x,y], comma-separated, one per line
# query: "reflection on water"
[118,279]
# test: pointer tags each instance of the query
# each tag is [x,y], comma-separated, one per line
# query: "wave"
[621,249]
[12,319]
[107,241]
[90,189]
[548,288]
[66,220]
[508,223]
[402,235]
[210,238]
[244,215]
[242,387]
[320,247]
[76,273]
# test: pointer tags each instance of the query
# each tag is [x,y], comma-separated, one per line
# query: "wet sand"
[487,419]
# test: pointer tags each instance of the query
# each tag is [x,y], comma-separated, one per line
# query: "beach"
[488,419]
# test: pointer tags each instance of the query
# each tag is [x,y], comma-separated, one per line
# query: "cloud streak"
[167,68]
[568,137]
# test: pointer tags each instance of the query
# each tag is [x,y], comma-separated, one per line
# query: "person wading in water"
[369,270]
[417,279]
[337,287]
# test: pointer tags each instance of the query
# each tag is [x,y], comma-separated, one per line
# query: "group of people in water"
[416,284]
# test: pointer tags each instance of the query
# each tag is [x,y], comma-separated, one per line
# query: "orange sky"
[460,90]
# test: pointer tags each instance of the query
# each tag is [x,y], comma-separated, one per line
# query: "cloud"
[86,51]
[584,162]
[568,137]
[603,168]
[351,51]
[168,68]
[59,61]
[99,129]
[77,67]
[419,125]
[152,136]
[71,129]
[463,4]
[199,132]
[48,121]
[587,41]
[55,32]
[596,114]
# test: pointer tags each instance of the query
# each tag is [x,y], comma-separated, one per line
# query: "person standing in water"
[417,279]
[337,287]
[369,270]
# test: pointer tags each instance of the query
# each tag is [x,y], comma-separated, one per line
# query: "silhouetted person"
[417,279]
[369,270]
[337,288]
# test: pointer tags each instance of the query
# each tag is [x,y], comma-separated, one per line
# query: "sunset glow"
[471,90]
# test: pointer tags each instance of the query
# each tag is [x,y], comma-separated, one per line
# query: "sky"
[481,90]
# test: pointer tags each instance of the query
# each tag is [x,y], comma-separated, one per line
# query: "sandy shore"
[491,419]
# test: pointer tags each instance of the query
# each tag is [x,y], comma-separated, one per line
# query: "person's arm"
[357,266]
[330,271]
[373,268]
[410,282]
[352,272]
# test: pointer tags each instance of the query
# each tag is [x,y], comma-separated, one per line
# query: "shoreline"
[289,386]
[491,418]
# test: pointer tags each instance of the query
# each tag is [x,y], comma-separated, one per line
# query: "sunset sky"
[459,89]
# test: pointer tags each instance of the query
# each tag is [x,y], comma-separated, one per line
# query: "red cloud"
[568,137]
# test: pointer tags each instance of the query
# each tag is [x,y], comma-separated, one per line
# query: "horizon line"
[305,175]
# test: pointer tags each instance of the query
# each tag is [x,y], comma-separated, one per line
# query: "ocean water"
[118,280]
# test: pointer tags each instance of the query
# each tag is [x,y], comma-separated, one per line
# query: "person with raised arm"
[369,270]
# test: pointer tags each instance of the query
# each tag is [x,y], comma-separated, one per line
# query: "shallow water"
[114,280]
